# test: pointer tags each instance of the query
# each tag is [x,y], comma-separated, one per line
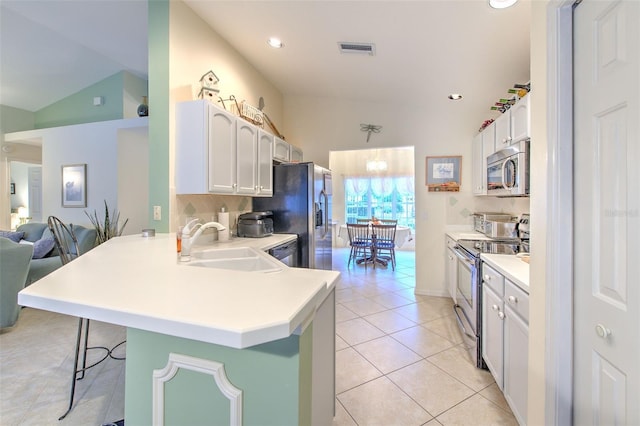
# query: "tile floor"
[398,361]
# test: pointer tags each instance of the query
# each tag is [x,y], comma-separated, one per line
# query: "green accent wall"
[158,23]
[78,108]
[274,377]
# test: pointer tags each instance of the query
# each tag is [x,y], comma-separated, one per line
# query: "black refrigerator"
[301,204]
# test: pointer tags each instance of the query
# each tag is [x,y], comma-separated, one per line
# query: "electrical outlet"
[157,213]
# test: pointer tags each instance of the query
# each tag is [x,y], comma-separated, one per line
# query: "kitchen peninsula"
[250,347]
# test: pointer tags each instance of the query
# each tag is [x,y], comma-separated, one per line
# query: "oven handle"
[464,258]
[460,323]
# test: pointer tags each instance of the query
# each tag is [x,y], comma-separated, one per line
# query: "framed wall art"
[443,174]
[13,188]
[74,185]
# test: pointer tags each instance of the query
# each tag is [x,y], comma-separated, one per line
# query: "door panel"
[606,218]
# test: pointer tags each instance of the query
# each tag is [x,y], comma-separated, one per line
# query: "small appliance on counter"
[480,218]
[255,224]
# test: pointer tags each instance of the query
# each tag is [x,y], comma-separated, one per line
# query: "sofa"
[14,267]
[35,232]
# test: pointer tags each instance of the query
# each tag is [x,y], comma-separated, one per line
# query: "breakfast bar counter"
[267,338]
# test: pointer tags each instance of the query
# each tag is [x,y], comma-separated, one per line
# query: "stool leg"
[75,368]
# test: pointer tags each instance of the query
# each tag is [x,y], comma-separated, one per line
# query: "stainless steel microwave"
[508,171]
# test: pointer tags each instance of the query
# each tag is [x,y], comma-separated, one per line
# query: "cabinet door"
[452,273]
[265,163]
[192,147]
[503,130]
[222,151]
[478,163]
[492,333]
[280,150]
[516,363]
[246,157]
[295,154]
[521,119]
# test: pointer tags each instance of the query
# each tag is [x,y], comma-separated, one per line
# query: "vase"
[143,108]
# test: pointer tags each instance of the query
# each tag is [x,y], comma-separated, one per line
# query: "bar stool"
[67,245]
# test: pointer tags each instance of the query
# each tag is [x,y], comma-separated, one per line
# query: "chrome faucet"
[188,239]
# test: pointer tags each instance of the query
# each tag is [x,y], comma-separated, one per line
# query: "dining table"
[403,235]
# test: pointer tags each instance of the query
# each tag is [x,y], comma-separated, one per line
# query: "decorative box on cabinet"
[505,338]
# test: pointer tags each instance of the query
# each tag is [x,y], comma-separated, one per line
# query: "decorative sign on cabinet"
[219,153]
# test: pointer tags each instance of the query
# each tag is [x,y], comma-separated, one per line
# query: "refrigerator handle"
[326,212]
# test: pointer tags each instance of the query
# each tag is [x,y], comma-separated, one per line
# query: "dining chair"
[388,221]
[68,248]
[360,242]
[384,244]
[363,220]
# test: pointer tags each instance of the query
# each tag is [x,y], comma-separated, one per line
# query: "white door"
[606,213]
[35,193]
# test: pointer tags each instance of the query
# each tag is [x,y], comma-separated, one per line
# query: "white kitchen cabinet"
[264,165]
[514,124]
[521,119]
[205,145]
[505,338]
[219,153]
[281,151]
[452,268]
[295,154]
[488,145]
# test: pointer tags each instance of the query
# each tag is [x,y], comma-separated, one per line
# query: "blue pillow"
[42,247]
[13,236]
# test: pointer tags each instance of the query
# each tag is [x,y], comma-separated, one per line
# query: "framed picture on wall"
[74,185]
[13,188]
[443,174]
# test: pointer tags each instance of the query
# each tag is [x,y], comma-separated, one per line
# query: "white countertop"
[512,267]
[138,282]
[469,234]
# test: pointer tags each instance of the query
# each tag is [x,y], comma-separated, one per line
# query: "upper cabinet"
[483,145]
[281,150]
[295,154]
[514,124]
[219,153]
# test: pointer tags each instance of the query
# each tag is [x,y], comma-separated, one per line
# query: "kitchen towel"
[223,219]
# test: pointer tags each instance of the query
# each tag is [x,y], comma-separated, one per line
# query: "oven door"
[468,305]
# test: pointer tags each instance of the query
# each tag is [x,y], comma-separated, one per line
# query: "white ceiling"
[425,49]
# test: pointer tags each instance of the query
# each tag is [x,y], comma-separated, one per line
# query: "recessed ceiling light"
[455,96]
[275,42]
[501,4]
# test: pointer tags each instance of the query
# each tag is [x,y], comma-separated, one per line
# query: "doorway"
[25,192]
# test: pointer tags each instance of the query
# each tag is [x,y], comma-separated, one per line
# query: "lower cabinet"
[452,268]
[505,338]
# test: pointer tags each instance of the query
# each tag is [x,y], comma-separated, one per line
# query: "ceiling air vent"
[362,48]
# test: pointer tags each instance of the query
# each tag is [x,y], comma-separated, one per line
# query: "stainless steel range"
[468,308]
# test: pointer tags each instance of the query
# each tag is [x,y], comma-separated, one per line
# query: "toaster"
[255,224]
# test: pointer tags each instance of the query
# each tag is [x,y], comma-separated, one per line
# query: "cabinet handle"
[603,331]
[495,307]
[501,315]
[513,299]
[487,278]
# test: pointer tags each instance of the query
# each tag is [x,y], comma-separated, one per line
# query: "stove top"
[476,247]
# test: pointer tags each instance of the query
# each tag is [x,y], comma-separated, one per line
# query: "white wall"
[195,49]
[133,178]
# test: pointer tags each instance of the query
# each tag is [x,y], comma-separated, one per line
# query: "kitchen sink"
[237,259]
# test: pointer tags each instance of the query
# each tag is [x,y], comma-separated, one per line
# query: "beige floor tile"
[357,331]
[344,314]
[446,327]
[387,354]
[386,405]
[456,362]
[352,370]
[364,307]
[495,395]
[422,341]
[391,300]
[389,321]
[477,411]
[436,391]
[342,418]
[340,343]
[347,295]
[419,312]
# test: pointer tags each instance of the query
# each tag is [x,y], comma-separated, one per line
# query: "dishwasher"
[286,253]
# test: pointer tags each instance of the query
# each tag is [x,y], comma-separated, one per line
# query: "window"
[382,197]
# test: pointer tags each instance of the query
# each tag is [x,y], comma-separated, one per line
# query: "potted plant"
[108,228]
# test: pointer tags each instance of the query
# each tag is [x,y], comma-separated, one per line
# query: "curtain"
[405,185]
[382,186]
[357,186]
